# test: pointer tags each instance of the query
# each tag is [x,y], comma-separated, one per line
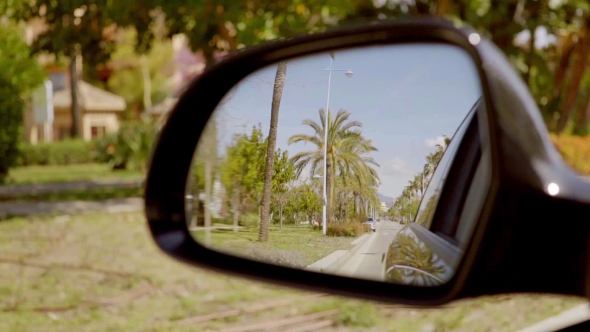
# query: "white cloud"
[395,166]
[433,142]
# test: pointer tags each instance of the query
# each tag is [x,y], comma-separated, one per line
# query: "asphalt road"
[367,262]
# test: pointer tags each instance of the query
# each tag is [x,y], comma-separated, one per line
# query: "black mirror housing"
[522,162]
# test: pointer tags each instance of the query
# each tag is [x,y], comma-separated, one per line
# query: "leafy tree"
[19,73]
[304,199]
[282,178]
[243,168]
[270,150]
[134,74]
[228,25]
[81,28]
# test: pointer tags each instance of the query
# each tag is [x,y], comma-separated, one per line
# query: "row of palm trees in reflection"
[410,262]
[351,174]
[405,206]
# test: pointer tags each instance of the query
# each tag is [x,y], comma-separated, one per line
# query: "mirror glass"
[361,198]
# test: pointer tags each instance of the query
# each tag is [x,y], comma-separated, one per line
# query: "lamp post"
[348,74]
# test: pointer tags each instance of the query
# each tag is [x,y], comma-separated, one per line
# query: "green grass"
[98,194]
[54,271]
[293,246]
[68,173]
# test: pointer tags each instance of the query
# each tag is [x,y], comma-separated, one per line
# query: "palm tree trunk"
[581,128]
[270,151]
[76,129]
[329,180]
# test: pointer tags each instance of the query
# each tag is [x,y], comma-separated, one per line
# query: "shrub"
[249,220]
[130,147]
[351,229]
[19,73]
[11,119]
[70,151]
[575,150]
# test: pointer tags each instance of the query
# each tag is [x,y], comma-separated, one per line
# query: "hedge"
[66,152]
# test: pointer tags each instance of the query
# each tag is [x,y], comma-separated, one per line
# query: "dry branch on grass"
[236,312]
[273,325]
[315,326]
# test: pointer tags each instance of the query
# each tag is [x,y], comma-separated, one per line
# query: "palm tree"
[347,151]
[270,150]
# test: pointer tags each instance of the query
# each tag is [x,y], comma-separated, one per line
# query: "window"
[431,196]
[58,80]
[97,131]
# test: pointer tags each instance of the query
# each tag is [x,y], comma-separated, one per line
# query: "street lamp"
[348,74]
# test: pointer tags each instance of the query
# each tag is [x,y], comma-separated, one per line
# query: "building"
[384,207]
[99,111]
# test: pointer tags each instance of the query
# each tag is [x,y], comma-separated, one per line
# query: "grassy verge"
[292,246]
[97,194]
[67,173]
[102,272]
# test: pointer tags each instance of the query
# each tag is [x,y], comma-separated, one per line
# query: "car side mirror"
[272,165]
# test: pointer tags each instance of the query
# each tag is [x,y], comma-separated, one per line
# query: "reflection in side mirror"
[352,191]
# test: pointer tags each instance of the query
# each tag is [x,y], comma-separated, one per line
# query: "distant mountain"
[386,199]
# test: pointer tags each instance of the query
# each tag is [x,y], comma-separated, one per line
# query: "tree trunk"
[236,209]
[578,70]
[147,84]
[207,204]
[210,155]
[281,214]
[329,185]
[581,128]
[76,129]
[442,7]
[564,61]
[530,55]
[270,150]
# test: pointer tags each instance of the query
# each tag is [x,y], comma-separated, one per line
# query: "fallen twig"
[236,312]
[315,326]
[88,303]
[283,322]
[22,262]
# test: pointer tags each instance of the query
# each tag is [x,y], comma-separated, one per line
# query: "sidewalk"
[14,191]
[9,209]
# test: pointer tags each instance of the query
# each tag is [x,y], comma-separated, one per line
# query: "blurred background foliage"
[548,42]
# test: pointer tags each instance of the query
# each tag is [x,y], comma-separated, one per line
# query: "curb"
[337,265]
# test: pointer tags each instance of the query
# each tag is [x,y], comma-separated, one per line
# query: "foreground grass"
[102,272]
[67,173]
[292,246]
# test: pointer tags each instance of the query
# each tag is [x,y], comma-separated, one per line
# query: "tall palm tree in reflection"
[409,262]
[347,152]
[270,157]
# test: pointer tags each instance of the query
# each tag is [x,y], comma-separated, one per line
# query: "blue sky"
[406,97]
